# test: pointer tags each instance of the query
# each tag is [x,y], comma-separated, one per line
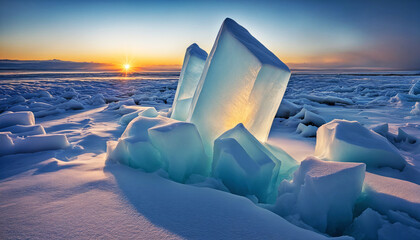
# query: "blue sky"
[303,34]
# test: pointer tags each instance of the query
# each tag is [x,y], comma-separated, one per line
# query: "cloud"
[49,65]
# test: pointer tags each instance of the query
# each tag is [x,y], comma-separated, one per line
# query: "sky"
[303,34]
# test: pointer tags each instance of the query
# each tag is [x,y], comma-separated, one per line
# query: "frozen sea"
[74,194]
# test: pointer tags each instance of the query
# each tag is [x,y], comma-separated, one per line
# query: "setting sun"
[126,67]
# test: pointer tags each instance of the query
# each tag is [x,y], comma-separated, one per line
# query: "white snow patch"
[348,141]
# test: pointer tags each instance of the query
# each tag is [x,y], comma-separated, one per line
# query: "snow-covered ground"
[74,193]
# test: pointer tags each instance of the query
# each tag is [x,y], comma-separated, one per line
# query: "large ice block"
[348,141]
[242,82]
[153,143]
[192,68]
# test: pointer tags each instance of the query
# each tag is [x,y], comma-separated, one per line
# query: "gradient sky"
[330,34]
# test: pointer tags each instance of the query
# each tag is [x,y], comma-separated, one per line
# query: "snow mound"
[191,71]
[307,122]
[287,109]
[155,143]
[348,141]
[25,130]
[416,109]
[415,89]
[323,194]
[123,109]
[400,98]
[30,144]
[366,225]
[383,194]
[72,105]
[97,99]
[141,111]
[242,82]
[245,166]
[117,105]
[44,94]
[306,130]
[398,231]
[69,93]
[402,140]
[38,143]
[8,119]
[312,119]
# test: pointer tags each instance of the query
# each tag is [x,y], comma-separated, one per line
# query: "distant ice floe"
[329,100]
[20,134]
[415,89]
[305,121]
[412,96]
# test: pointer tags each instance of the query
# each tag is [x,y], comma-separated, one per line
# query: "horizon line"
[101,66]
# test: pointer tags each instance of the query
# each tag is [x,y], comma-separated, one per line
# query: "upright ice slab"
[192,68]
[242,82]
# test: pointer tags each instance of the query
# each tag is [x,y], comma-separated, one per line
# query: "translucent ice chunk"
[242,82]
[245,166]
[161,143]
[181,149]
[192,68]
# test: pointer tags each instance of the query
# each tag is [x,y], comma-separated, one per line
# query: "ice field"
[52,193]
